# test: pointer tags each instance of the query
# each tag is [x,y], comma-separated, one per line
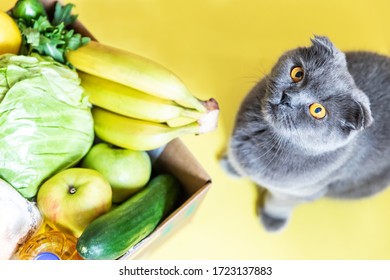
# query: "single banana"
[208,121]
[136,134]
[180,121]
[133,103]
[132,70]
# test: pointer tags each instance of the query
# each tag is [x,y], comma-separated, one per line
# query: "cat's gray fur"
[297,158]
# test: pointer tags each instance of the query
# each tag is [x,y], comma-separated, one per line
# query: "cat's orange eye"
[317,111]
[296,74]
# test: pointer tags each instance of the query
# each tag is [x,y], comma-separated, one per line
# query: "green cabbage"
[45,121]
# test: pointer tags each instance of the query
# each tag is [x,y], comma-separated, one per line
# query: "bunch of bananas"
[137,103]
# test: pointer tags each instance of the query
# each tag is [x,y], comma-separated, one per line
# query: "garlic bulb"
[19,220]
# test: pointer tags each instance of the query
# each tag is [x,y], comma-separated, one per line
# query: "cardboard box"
[177,160]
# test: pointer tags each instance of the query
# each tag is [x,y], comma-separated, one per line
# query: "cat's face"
[312,99]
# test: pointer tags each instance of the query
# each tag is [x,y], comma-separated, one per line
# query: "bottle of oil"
[50,245]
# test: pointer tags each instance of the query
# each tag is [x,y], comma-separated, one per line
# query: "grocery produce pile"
[77,119]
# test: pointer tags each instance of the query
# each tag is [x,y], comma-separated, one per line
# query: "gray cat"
[317,125]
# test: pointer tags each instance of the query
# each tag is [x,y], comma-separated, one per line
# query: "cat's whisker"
[268,145]
[279,144]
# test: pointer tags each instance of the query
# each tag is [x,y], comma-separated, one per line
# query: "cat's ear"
[359,116]
[323,44]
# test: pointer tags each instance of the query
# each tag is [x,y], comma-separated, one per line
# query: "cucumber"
[112,234]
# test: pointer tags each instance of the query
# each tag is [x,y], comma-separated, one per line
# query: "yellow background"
[220,48]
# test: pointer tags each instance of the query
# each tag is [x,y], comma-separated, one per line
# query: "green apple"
[73,198]
[126,170]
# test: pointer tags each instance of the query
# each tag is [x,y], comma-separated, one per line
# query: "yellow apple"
[73,198]
[126,170]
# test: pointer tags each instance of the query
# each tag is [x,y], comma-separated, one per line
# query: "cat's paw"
[227,167]
[273,224]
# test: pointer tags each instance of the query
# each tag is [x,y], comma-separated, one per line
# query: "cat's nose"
[285,100]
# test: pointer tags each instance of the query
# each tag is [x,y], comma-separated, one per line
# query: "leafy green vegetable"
[45,120]
[52,38]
